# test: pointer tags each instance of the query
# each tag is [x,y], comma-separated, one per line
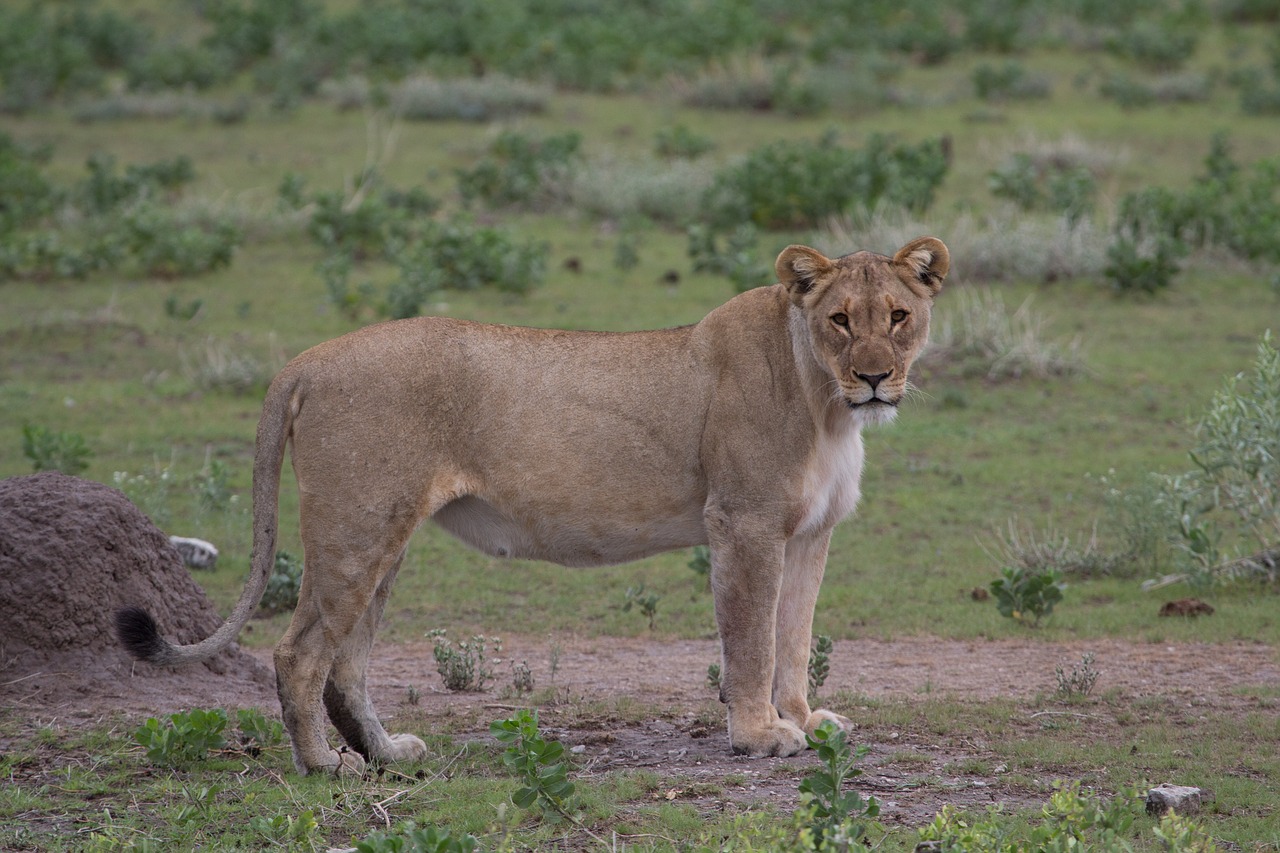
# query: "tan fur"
[742,432]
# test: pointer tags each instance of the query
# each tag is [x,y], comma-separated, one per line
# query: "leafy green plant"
[48,450]
[1145,267]
[799,184]
[1026,595]
[1055,187]
[678,141]
[1072,820]
[1235,483]
[645,601]
[819,663]
[286,830]
[257,732]
[713,676]
[187,737]
[284,584]
[539,764]
[700,563]
[410,838]
[836,812]
[520,170]
[739,260]
[465,667]
[1008,81]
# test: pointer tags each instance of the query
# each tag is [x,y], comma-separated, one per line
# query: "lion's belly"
[593,538]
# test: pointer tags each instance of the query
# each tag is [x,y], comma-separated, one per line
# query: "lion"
[741,432]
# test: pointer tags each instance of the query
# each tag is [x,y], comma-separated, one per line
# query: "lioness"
[742,432]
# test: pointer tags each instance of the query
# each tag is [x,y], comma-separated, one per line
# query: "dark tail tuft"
[139,634]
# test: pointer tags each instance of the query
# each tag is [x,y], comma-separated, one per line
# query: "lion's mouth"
[872,402]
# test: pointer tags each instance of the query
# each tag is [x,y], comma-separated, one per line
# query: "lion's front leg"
[805,562]
[745,578]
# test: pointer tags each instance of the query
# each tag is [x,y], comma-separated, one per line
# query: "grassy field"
[118,359]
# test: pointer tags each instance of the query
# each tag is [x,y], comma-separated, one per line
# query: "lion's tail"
[137,629]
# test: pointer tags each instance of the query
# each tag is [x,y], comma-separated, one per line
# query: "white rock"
[1182,799]
[195,553]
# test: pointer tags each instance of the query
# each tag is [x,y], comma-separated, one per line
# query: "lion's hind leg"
[321,659]
[346,694]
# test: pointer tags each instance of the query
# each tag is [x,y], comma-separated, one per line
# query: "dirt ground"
[675,728]
[82,550]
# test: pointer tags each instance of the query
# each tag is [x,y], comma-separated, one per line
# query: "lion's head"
[867,317]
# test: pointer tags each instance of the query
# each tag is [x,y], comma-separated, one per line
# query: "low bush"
[1027,595]
[679,142]
[1051,186]
[284,584]
[50,450]
[522,171]
[1227,507]
[800,184]
[187,737]
[466,666]
[1009,81]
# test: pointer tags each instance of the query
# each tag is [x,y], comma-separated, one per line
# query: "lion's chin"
[873,412]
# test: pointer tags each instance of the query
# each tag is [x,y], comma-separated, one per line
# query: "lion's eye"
[898,316]
[841,320]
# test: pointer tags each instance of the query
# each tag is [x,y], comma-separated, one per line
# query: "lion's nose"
[873,379]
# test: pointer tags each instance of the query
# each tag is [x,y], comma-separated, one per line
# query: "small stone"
[195,553]
[1179,798]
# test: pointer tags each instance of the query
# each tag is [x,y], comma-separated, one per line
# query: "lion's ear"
[799,269]
[925,260]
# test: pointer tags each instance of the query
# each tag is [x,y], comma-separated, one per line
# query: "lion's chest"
[831,483]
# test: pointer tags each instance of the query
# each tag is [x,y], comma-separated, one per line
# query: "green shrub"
[678,141]
[176,66]
[457,255]
[55,451]
[643,600]
[539,763]
[1142,266]
[739,260]
[819,663]
[26,195]
[1027,595]
[167,247]
[257,732]
[284,584]
[1008,81]
[409,838]
[364,225]
[1071,821]
[832,810]
[1233,490]
[521,171]
[1056,187]
[187,737]
[800,184]
[1160,45]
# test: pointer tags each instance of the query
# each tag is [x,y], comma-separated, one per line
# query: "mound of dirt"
[72,552]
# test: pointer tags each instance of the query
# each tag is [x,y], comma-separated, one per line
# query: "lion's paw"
[406,747]
[780,738]
[817,718]
[338,762]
